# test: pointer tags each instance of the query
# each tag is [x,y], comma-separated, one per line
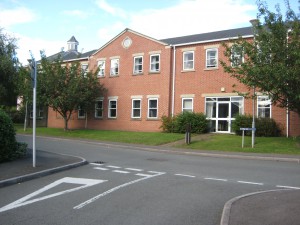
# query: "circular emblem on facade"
[127,42]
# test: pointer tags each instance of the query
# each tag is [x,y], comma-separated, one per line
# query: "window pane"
[188,60]
[152,111]
[154,65]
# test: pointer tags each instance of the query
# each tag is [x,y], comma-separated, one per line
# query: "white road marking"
[134,169]
[217,179]
[23,201]
[289,187]
[143,175]
[247,182]
[100,168]
[155,172]
[184,175]
[120,171]
[114,167]
[112,190]
[96,164]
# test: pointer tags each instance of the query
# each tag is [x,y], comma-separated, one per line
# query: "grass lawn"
[146,138]
[233,143]
[221,142]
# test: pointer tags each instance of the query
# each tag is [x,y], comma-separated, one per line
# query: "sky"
[48,25]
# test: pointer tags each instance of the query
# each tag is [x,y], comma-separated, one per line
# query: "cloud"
[10,17]
[105,34]
[114,11]
[78,13]
[34,45]
[192,16]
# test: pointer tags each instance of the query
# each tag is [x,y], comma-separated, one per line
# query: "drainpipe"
[287,121]
[173,81]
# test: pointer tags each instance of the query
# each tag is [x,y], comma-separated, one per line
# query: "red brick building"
[148,78]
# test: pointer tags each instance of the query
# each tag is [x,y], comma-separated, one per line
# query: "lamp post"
[34,79]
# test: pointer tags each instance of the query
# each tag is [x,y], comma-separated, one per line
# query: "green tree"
[272,60]
[8,70]
[66,87]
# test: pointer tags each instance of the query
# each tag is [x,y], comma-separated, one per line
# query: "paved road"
[133,186]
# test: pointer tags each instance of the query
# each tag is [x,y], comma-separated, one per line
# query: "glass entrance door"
[223,118]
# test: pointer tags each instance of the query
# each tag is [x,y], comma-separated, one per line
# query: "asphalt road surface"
[124,184]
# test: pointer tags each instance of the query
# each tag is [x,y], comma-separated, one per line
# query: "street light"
[34,79]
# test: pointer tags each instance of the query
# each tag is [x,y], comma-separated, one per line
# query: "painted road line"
[113,167]
[143,175]
[25,200]
[217,179]
[134,169]
[100,168]
[96,164]
[184,175]
[113,190]
[248,182]
[120,171]
[289,187]
[156,172]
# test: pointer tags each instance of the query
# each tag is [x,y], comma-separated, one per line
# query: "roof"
[73,39]
[134,32]
[71,55]
[210,37]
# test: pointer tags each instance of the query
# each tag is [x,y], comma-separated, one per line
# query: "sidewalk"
[46,163]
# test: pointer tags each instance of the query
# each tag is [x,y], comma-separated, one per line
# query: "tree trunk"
[66,123]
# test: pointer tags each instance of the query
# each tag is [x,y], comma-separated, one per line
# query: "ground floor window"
[187,105]
[221,112]
[112,108]
[263,107]
[152,108]
[136,108]
[81,113]
[99,109]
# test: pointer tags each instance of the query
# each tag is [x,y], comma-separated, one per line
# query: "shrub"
[10,149]
[265,127]
[178,124]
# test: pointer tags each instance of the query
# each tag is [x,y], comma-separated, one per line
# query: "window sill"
[98,118]
[101,76]
[137,74]
[154,72]
[187,71]
[112,118]
[136,119]
[152,119]
[211,68]
[113,76]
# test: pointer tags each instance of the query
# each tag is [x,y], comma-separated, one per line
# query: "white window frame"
[134,108]
[110,108]
[154,63]
[234,56]
[39,111]
[259,105]
[84,69]
[114,67]
[184,61]
[136,65]
[148,113]
[97,109]
[101,66]
[187,109]
[78,113]
[209,58]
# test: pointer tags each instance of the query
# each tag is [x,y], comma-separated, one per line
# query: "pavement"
[274,207]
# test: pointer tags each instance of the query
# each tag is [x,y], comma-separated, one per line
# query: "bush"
[178,124]
[265,127]
[10,149]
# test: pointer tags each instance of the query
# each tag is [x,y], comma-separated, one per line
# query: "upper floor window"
[114,67]
[99,108]
[39,112]
[138,64]
[84,69]
[188,60]
[136,108]
[237,57]
[112,108]
[187,105]
[101,66]
[155,63]
[211,58]
[263,107]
